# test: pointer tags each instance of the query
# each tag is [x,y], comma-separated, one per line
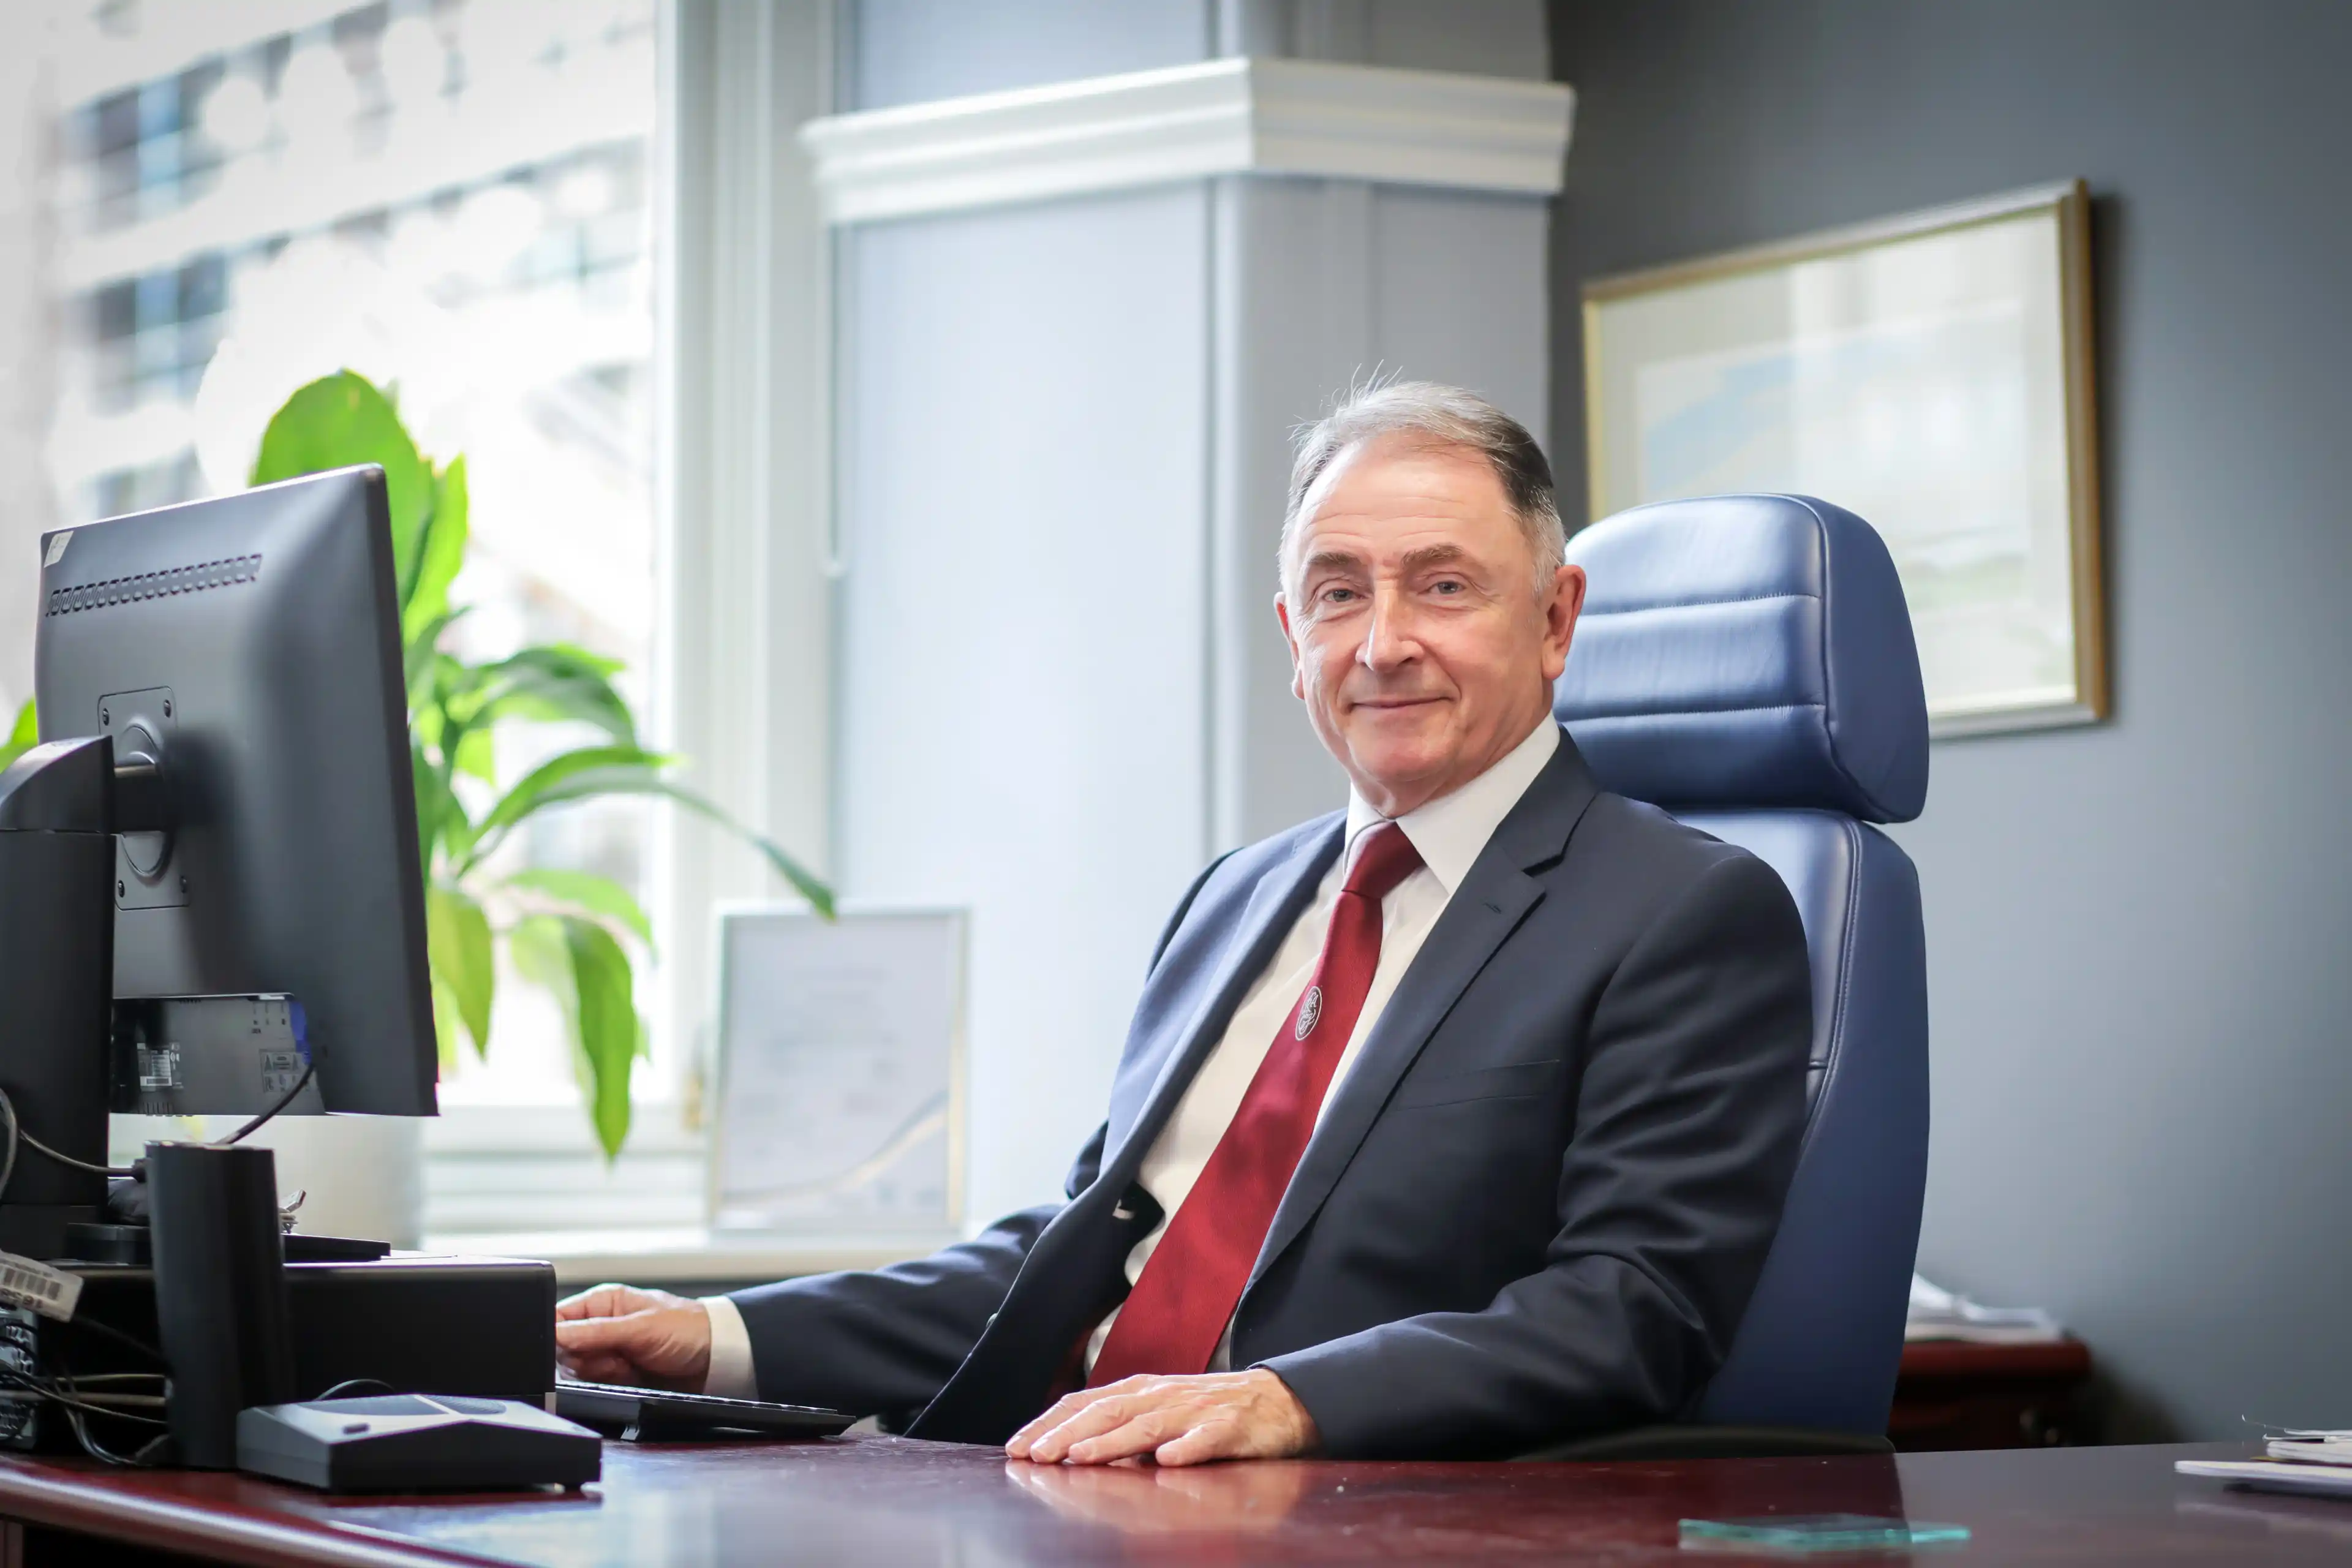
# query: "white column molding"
[1238,116]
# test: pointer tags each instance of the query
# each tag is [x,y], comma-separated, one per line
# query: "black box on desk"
[419,1325]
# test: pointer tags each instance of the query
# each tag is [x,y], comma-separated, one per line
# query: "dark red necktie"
[1178,1310]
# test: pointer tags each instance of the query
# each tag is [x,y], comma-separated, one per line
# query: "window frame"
[743,444]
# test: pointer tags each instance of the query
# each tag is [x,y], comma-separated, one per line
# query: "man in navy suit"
[1451,1124]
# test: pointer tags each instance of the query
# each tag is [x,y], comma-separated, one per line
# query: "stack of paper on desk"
[2313,1448]
[2273,1476]
[1940,1314]
[2311,1463]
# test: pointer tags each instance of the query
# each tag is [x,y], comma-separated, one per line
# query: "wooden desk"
[888,1500]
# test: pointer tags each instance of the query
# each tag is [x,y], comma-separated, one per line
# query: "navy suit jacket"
[1534,1208]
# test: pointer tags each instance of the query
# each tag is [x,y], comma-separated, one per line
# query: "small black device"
[656,1415]
[220,1293]
[416,1442]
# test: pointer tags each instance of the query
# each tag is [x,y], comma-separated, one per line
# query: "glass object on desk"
[1817,1532]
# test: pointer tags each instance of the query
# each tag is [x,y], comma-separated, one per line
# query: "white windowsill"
[682,1259]
[526,1181]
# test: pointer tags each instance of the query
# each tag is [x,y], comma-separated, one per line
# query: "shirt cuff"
[730,1375]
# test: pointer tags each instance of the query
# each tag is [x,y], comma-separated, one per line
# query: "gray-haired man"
[1449,1124]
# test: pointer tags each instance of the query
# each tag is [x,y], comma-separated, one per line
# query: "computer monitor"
[249,647]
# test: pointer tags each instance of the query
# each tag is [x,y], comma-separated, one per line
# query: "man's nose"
[1389,641]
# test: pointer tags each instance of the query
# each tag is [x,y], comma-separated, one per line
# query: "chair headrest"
[1747,650]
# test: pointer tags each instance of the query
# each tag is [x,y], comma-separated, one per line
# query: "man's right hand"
[618,1333]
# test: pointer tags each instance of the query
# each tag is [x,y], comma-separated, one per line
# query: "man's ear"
[1297,675]
[1561,608]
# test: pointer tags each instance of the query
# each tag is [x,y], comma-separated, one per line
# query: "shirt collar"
[1451,831]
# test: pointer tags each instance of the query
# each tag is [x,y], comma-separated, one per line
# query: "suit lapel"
[1274,908]
[1484,910]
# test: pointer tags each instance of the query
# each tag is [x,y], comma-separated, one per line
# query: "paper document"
[840,1102]
[2313,1448]
[2270,1476]
[1940,1314]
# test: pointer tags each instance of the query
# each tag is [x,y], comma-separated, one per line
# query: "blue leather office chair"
[1747,663]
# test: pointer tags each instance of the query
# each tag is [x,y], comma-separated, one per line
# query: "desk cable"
[17,1135]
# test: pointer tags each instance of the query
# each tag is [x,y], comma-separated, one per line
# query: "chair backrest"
[1747,663]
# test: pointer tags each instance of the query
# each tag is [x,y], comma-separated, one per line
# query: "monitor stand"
[70,1052]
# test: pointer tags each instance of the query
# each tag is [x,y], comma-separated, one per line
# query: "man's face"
[1419,640]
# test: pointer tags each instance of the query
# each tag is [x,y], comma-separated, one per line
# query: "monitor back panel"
[251,644]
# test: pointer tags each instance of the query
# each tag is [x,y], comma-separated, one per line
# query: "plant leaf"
[419,649]
[535,788]
[590,893]
[590,783]
[541,956]
[23,735]
[440,554]
[587,971]
[457,937]
[803,881]
[477,757]
[551,683]
[343,420]
[434,806]
[446,1027]
[611,1036]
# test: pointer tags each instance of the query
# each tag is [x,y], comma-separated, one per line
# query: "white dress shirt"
[1450,833]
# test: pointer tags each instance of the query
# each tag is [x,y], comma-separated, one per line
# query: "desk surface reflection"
[891,1500]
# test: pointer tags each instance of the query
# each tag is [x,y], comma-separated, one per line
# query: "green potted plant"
[575,934]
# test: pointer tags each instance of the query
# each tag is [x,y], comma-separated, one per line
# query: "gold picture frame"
[1933,374]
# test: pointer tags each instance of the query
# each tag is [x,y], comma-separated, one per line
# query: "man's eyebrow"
[1430,555]
[1330,561]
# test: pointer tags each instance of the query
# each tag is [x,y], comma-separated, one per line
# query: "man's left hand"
[1172,1420]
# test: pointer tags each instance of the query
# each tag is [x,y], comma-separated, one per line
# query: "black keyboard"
[656,1415]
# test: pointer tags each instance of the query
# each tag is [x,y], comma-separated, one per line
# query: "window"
[453,198]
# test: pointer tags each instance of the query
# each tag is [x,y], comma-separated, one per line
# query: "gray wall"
[2140,934]
[1019,687]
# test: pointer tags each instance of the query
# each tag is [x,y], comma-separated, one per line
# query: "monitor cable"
[138,1402]
[283,1100]
[76,1403]
[18,1135]
[142,1413]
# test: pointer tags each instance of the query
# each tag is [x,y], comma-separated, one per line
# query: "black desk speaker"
[220,1293]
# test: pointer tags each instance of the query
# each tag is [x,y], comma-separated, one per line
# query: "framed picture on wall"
[1931,373]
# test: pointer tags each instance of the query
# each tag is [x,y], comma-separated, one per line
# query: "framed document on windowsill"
[839,1108]
[1931,373]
